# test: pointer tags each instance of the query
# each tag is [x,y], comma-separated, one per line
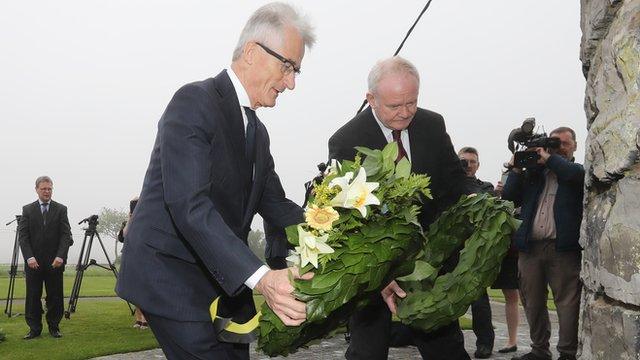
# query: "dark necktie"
[397,138]
[45,210]
[250,144]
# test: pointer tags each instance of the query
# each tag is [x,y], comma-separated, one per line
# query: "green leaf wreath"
[361,231]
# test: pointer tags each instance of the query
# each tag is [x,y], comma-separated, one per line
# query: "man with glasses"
[44,237]
[210,172]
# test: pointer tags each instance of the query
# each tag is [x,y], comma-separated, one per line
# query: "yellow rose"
[321,218]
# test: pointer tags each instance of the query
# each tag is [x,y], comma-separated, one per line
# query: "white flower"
[357,194]
[310,247]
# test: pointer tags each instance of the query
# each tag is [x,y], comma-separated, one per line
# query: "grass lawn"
[95,282]
[99,327]
[91,286]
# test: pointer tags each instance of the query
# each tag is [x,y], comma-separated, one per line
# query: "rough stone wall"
[610,234]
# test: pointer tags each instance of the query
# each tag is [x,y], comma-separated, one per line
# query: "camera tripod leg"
[13,272]
[83,263]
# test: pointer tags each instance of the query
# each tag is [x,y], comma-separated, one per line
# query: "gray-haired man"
[210,172]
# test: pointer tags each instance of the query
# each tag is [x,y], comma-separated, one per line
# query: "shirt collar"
[44,203]
[243,97]
[388,133]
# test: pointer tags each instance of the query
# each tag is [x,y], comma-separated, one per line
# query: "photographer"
[550,195]
[141,322]
[480,309]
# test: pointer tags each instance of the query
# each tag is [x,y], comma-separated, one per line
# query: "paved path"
[334,348]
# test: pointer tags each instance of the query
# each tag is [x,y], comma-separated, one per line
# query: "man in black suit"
[210,172]
[44,237]
[394,115]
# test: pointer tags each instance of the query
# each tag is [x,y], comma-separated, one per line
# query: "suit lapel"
[415,140]
[38,213]
[371,130]
[233,124]
[262,152]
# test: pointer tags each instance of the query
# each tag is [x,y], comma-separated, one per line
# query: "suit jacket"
[431,154]
[43,241]
[524,190]
[187,239]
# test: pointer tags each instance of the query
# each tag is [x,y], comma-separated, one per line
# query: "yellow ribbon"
[233,327]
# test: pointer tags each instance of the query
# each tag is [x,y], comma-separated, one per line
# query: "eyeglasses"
[288,66]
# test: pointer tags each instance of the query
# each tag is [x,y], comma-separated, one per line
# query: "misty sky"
[83,84]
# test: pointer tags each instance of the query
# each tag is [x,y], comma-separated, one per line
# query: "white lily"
[357,194]
[311,247]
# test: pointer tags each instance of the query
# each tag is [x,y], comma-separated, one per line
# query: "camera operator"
[140,322]
[549,254]
[480,309]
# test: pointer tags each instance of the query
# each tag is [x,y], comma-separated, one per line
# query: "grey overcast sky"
[84,82]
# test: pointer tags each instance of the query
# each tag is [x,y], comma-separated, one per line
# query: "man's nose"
[290,80]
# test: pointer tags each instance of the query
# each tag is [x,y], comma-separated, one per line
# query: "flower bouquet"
[361,230]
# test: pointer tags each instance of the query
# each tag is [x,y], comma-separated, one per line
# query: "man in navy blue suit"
[210,172]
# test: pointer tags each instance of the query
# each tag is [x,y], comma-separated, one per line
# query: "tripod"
[13,270]
[84,261]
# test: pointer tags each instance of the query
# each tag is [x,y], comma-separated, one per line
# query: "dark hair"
[562,129]
[469,150]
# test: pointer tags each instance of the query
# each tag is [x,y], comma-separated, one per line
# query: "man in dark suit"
[44,237]
[210,172]
[481,308]
[395,116]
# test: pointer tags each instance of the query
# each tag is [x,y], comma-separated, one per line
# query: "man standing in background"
[480,309]
[44,237]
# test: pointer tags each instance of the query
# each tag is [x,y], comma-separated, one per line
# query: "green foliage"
[484,225]
[2,335]
[368,252]
[110,221]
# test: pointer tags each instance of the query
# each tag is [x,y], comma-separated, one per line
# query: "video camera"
[92,220]
[523,138]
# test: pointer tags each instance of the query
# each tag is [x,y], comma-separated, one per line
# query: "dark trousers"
[187,340]
[481,321]
[370,330]
[52,279]
[543,267]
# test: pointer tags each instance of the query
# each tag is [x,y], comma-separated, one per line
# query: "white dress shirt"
[243,99]
[388,134]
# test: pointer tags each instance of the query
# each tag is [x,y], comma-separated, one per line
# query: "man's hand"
[33,263]
[57,262]
[277,290]
[390,294]
[544,155]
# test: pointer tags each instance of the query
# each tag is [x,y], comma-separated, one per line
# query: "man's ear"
[249,53]
[371,100]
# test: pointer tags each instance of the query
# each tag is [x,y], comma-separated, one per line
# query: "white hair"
[391,66]
[267,25]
